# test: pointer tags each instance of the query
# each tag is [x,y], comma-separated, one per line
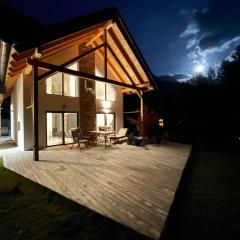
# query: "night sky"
[173,36]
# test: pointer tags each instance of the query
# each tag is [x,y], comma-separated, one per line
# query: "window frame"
[98,72]
[105,118]
[105,93]
[62,123]
[62,90]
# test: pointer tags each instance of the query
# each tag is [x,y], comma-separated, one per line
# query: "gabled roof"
[87,30]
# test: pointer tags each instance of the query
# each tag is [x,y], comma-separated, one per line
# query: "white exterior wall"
[22,97]
[17,105]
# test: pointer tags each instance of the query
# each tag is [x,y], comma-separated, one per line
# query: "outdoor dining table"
[103,133]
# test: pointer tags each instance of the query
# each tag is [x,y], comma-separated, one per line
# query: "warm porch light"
[106,104]
[106,110]
[161,122]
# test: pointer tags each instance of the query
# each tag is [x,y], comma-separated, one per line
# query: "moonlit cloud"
[191,43]
[212,32]
[220,48]
[191,30]
[182,77]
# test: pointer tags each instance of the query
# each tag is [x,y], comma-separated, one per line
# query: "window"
[70,123]
[54,84]
[110,93]
[54,129]
[71,83]
[161,122]
[63,84]
[106,119]
[104,91]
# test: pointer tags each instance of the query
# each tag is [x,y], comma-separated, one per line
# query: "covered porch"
[134,186]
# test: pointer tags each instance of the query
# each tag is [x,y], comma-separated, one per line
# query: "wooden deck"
[128,184]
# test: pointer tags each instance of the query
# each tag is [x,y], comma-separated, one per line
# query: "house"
[71,74]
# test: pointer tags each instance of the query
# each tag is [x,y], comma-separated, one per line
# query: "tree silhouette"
[211,75]
[229,72]
[199,80]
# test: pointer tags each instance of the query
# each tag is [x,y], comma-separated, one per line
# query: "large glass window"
[106,119]
[63,84]
[71,83]
[54,84]
[110,93]
[104,91]
[100,91]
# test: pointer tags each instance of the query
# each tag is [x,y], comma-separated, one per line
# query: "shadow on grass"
[206,205]
[30,211]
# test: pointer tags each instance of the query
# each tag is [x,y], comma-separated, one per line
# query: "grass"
[207,204]
[30,211]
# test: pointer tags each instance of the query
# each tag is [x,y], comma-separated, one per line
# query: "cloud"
[225,46]
[191,43]
[182,77]
[212,31]
[192,29]
[220,23]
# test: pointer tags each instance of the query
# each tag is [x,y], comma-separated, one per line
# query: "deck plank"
[131,185]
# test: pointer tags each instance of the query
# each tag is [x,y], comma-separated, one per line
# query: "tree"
[199,80]
[229,72]
[211,74]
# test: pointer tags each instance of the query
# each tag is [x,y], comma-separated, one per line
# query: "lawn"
[207,204]
[30,211]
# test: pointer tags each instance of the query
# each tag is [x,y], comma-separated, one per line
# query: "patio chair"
[85,135]
[121,135]
[76,135]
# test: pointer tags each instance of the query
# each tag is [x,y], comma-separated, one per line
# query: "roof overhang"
[103,31]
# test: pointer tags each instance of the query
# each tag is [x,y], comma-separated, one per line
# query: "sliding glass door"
[54,129]
[59,126]
[70,123]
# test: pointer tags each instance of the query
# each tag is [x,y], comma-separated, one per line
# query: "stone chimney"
[87,92]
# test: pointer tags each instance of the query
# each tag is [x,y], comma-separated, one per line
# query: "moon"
[199,68]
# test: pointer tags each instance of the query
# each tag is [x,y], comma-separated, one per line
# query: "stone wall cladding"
[87,98]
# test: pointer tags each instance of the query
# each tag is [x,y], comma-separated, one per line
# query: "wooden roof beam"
[17,69]
[127,90]
[125,55]
[110,64]
[18,57]
[111,67]
[18,63]
[86,32]
[100,33]
[84,54]
[14,74]
[64,45]
[37,63]
[121,65]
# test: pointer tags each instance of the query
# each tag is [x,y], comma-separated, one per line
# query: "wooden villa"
[72,74]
